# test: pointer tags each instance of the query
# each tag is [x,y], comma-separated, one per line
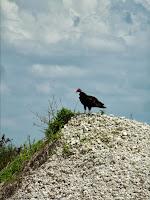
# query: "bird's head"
[79,90]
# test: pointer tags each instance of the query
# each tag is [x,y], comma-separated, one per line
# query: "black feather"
[90,101]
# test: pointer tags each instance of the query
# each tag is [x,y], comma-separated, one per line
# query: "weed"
[61,118]
[66,150]
[16,166]
[7,151]
[102,112]
[17,162]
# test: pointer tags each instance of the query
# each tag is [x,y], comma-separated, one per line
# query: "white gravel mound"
[100,158]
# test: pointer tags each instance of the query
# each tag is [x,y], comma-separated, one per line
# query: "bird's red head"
[79,90]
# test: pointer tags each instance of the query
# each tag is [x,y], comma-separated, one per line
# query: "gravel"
[100,157]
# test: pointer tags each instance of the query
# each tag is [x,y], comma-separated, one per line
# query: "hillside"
[98,157]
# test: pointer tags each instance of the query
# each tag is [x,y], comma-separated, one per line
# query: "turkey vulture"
[89,101]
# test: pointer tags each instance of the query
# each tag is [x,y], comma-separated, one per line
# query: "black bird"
[89,101]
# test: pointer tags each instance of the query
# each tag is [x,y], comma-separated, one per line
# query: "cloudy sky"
[51,47]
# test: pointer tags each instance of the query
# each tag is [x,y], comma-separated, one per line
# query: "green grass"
[17,165]
[8,151]
[61,118]
[52,133]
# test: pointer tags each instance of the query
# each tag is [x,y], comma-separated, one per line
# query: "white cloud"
[109,44]
[84,6]
[69,26]
[14,23]
[44,88]
[57,71]
[42,31]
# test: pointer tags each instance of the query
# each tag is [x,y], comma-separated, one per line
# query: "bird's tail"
[104,106]
[101,105]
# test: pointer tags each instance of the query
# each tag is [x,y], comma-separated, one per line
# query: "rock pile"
[100,157]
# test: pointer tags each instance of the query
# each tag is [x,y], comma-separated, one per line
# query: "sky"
[50,48]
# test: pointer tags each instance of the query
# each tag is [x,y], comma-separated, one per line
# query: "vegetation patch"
[7,151]
[66,150]
[61,118]
[17,165]
[30,155]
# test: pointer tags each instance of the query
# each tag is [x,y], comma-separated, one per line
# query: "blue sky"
[50,48]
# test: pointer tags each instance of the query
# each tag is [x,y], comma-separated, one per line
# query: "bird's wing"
[93,100]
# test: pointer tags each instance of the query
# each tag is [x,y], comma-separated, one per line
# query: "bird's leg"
[89,111]
[84,109]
